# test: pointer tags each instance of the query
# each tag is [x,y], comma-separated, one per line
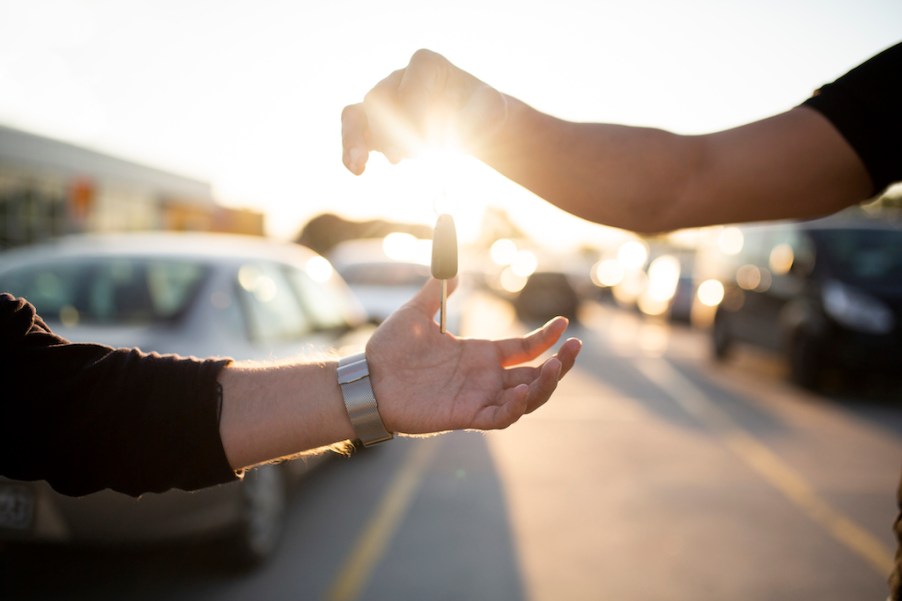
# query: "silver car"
[190,294]
[384,281]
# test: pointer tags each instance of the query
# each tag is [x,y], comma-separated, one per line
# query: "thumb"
[429,298]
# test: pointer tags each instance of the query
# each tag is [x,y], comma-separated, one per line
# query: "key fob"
[444,248]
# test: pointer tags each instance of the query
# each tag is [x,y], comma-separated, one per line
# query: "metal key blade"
[443,311]
[444,259]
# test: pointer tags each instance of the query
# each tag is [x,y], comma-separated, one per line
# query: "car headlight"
[857,310]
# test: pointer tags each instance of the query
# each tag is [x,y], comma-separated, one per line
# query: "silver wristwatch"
[360,401]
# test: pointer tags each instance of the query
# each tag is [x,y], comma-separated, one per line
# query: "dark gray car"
[827,294]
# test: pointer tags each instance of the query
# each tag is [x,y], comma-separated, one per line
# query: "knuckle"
[385,89]
[372,97]
[424,56]
[350,112]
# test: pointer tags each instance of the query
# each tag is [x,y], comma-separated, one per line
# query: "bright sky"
[248,95]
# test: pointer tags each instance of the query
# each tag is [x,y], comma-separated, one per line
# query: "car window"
[861,255]
[107,290]
[229,315]
[273,309]
[327,304]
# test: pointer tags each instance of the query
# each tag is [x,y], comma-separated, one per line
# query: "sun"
[438,180]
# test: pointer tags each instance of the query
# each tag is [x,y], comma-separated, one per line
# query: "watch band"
[360,401]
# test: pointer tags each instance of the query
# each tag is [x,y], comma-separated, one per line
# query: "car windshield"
[106,290]
[862,255]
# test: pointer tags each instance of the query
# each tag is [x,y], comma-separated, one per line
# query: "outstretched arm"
[424,382]
[792,164]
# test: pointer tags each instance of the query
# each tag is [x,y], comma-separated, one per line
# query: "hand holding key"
[444,259]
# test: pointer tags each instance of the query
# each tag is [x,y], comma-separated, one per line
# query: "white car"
[383,280]
[189,294]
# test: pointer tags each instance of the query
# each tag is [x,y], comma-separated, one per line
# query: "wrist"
[354,379]
[278,410]
[500,134]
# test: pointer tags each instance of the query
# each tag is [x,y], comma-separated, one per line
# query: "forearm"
[791,165]
[617,175]
[279,410]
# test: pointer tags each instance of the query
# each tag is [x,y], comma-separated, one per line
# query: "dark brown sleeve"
[86,417]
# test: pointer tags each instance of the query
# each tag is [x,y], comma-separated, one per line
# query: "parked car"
[547,294]
[539,282]
[190,294]
[381,282]
[668,285]
[386,273]
[827,294]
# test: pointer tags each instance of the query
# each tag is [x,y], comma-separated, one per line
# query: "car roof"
[202,246]
[833,223]
[851,224]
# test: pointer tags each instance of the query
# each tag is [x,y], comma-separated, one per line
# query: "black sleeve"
[864,105]
[86,417]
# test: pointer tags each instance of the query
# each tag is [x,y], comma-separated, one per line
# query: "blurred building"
[49,188]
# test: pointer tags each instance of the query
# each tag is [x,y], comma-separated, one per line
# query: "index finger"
[355,149]
[369,125]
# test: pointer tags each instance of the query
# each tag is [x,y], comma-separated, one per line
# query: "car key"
[444,259]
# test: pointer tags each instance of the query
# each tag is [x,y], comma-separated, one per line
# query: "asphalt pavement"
[654,473]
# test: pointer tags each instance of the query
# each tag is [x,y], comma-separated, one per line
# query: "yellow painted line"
[383,524]
[767,464]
